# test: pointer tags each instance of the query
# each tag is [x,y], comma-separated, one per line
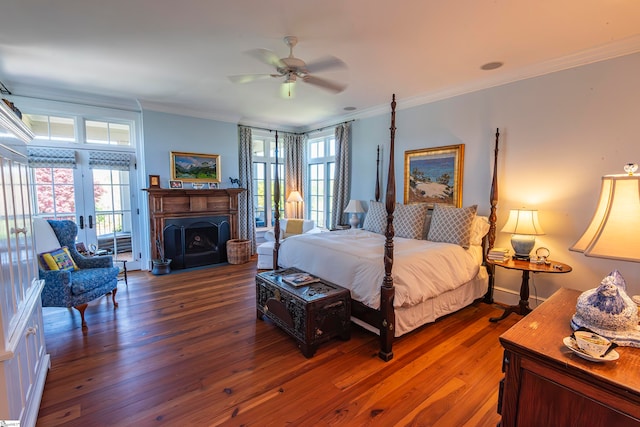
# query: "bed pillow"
[452,225]
[409,220]
[376,218]
[479,229]
[58,259]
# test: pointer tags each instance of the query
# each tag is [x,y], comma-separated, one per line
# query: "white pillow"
[479,228]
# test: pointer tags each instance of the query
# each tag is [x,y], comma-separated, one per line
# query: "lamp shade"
[523,221]
[354,206]
[294,196]
[614,231]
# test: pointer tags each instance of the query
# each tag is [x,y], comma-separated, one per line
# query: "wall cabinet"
[23,359]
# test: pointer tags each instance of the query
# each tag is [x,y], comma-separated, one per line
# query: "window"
[52,128]
[107,133]
[321,170]
[263,178]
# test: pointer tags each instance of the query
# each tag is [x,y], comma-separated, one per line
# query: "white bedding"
[354,259]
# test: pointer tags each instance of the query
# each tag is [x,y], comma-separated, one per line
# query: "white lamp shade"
[354,206]
[614,231]
[523,221]
[294,196]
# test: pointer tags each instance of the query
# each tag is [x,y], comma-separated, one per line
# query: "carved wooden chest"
[312,313]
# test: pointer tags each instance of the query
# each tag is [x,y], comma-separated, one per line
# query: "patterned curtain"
[51,158]
[109,160]
[246,220]
[342,181]
[294,163]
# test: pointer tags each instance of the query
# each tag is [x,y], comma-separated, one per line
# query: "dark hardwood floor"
[186,349]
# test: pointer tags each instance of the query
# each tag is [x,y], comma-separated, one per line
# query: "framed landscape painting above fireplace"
[193,167]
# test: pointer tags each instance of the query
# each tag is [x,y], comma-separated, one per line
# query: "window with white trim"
[321,169]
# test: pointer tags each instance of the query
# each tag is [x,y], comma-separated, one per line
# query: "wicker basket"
[238,251]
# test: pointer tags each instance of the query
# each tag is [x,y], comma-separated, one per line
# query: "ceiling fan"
[292,69]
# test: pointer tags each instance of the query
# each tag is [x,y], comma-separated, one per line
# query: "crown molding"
[606,52]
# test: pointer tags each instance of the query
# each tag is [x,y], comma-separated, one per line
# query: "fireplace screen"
[195,242]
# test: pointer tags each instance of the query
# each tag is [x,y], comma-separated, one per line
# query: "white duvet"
[354,259]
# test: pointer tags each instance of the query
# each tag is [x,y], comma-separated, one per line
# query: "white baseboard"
[511,297]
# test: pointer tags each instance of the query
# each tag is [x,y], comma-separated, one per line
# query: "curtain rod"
[330,126]
[301,133]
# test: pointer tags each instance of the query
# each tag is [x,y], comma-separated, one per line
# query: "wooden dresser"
[546,384]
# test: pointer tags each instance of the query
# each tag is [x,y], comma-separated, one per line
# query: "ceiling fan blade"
[326,63]
[267,56]
[248,78]
[325,84]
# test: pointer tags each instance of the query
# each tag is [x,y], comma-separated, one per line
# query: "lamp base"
[354,220]
[522,246]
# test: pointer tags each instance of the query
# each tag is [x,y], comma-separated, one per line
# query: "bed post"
[387,291]
[491,236]
[378,176]
[276,213]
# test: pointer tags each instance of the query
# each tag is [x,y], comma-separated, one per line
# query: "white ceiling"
[175,56]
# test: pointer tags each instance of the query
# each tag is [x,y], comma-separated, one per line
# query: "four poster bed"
[431,277]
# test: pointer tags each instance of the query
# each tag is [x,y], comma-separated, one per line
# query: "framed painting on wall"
[192,167]
[434,175]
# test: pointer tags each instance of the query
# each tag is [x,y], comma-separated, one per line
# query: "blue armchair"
[96,276]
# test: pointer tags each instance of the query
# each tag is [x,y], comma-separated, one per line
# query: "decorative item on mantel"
[613,233]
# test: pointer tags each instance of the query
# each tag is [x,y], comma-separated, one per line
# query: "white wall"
[164,133]
[560,133]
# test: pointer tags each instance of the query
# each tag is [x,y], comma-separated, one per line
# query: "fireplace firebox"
[194,242]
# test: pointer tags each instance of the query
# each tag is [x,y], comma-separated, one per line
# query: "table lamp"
[354,208]
[613,233]
[524,227]
[295,196]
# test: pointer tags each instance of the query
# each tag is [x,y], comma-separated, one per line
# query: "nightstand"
[526,267]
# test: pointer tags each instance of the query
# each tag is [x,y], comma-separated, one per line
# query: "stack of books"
[498,254]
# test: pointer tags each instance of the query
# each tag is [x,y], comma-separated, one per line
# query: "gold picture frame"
[194,167]
[434,175]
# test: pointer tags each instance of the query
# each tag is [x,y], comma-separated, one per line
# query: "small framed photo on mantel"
[154,181]
[174,183]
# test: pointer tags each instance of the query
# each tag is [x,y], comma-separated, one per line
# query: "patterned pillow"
[376,218]
[409,220]
[452,225]
[59,259]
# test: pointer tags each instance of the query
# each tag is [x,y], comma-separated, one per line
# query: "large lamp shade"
[614,231]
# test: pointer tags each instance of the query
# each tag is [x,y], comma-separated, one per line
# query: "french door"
[98,198]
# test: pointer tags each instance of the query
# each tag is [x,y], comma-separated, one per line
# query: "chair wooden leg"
[113,297]
[81,308]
